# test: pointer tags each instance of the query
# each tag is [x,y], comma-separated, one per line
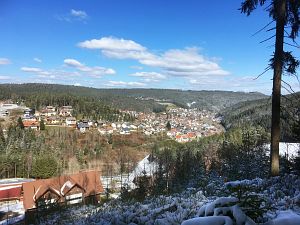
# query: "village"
[181,125]
[185,124]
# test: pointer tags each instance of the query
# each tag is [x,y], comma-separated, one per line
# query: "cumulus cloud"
[37,71]
[72,72]
[117,48]
[73,63]
[149,76]
[96,71]
[112,44]
[124,84]
[4,61]
[186,62]
[73,15]
[52,74]
[78,13]
[37,60]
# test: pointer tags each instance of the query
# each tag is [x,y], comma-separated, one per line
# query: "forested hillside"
[36,95]
[258,112]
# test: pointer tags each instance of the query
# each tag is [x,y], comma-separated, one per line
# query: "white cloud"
[79,14]
[37,60]
[149,76]
[124,84]
[136,67]
[186,62]
[4,61]
[73,15]
[73,63]
[66,74]
[53,74]
[37,71]
[112,44]
[77,84]
[233,83]
[4,77]
[96,71]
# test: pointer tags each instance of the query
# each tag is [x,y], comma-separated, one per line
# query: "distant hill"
[258,112]
[132,99]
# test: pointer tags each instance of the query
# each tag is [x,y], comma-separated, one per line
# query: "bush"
[253,204]
[246,158]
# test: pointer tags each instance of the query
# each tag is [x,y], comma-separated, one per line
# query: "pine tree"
[286,15]
[42,125]
[20,123]
[168,126]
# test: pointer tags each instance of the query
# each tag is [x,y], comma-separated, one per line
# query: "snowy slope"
[192,207]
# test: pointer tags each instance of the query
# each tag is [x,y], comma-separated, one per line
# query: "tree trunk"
[280,7]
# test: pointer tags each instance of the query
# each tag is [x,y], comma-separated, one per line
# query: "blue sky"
[191,44]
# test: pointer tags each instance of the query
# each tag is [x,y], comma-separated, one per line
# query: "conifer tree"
[286,15]
[42,125]
[20,123]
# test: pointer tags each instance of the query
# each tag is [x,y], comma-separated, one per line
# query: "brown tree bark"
[276,95]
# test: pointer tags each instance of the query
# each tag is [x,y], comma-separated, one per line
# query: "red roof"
[10,192]
[28,123]
[88,182]
[191,135]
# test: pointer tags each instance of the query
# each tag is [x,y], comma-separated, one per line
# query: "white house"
[71,121]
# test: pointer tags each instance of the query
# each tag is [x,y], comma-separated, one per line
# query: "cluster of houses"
[54,116]
[63,116]
[51,116]
[185,124]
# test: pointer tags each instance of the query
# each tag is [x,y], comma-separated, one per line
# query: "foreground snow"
[289,150]
[192,207]
[15,208]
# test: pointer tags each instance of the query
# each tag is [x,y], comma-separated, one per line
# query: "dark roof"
[83,125]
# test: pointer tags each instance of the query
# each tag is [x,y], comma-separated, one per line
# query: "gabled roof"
[88,182]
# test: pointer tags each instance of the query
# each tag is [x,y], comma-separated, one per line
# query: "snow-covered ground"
[192,207]
[287,149]
[12,207]
[145,166]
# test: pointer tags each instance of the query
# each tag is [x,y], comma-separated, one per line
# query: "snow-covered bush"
[250,200]
[282,193]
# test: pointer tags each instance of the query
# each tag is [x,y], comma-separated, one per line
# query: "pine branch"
[288,85]
[268,39]
[262,28]
[268,7]
[291,38]
[290,92]
[291,45]
[273,28]
[266,70]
